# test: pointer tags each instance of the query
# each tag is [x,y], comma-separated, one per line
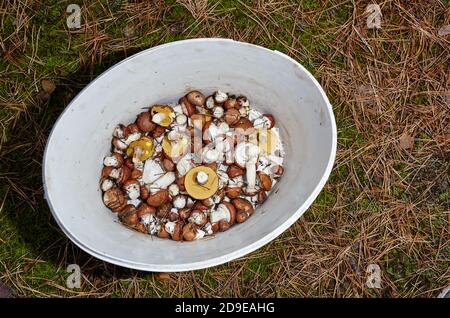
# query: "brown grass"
[387,201]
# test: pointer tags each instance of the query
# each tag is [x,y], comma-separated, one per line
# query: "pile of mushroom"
[189,170]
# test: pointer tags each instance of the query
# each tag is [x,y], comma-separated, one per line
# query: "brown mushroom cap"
[223,225]
[196,98]
[144,192]
[130,182]
[128,216]
[189,232]
[162,233]
[187,106]
[105,173]
[144,122]
[125,174]
[184,213]
[232,210]
[266,182]
[158,198]
[242,205]
[114,199]
[241,217]
[144,209]
[232,116]
[132,128]
[178,232]
[163,211]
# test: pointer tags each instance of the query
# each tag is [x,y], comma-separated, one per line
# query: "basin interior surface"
[273,82]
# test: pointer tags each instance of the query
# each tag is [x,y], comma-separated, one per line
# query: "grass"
[387,200]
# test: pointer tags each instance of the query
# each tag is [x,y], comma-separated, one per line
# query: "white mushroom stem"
[115,173]
[246,153]
[218,112]
[152,171]
[158,118]
[133,190]
[148,218]
[208,229]
[181,119]
[179,202]
[165,181]
[107,184]
[133,137]
[118,132]
[221,213]
[211,155]
[202,177]
[251,176]
[199,234]
[111,161]
[138,164]
[223,178]
[174,190]
[210,102]
[220,96]
[213,131]
[174,135]
[134,202]
[153,227]
[247,156]
[178,109]
[184,165]
[170,227]
[197,217]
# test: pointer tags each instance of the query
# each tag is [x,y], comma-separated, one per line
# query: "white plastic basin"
[273,82]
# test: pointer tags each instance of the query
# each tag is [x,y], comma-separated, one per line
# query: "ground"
[386,202]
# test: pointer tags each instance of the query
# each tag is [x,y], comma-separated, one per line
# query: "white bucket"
[81,137]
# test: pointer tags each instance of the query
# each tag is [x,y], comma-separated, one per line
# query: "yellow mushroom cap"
[164,114]
[198,191]
[146,146]
[175,149]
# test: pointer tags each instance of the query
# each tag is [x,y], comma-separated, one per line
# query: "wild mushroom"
[191,232]
[132,188]
[179,201]
[225,211]
[163,182]
[220,96]
[152,171]
[158,198]
[246,156]
[115,160]
[185,164]
[198,217]
[114,199]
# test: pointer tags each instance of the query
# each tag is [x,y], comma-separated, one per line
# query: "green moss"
[348,135]
[400,265]
[326,198]
[309,4]
[369,205]
[445,196]
[259,268]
